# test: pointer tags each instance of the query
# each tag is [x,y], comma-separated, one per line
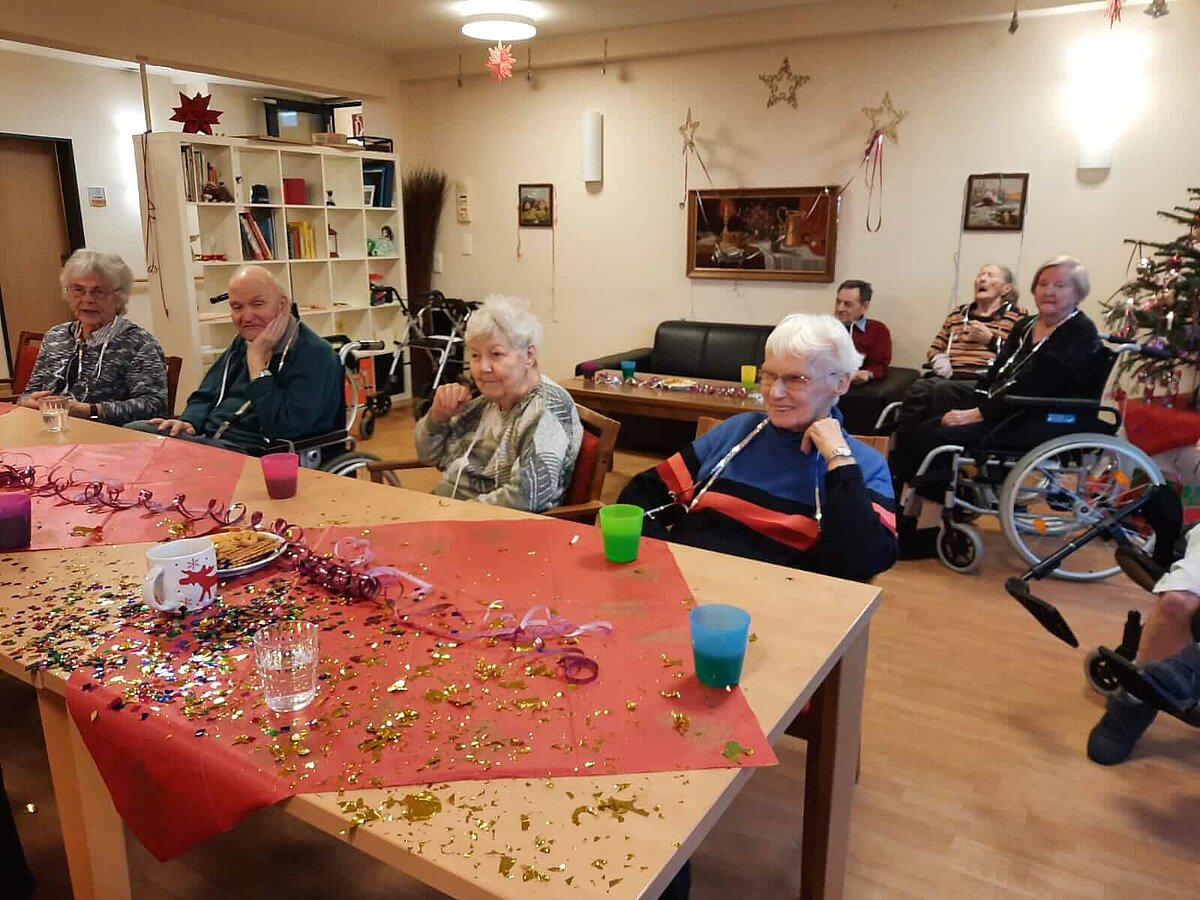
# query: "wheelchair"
[1052,500]
[336,451]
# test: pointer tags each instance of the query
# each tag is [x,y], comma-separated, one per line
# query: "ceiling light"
[499,20]
[497,27]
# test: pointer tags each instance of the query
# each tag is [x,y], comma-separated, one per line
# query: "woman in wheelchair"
[516,444]
[1055,353]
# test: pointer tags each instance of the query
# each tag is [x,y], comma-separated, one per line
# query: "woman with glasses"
[112,369]
[790,486]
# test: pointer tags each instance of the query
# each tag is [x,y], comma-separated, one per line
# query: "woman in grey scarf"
[112,369]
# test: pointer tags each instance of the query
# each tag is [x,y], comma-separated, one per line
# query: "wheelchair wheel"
[973,494]
[366,424]
[1063,487]
[383,404]
[960,548]
[1099,676]
[353,464]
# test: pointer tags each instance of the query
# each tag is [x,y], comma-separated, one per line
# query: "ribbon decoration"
[537,626]
[1112,12]
[99,495]
[885,119]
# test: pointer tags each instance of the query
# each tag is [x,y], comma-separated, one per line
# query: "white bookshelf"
[332,292]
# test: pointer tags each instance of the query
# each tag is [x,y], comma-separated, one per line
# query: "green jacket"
[303,396]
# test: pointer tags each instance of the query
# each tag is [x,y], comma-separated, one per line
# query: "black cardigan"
[1071,363]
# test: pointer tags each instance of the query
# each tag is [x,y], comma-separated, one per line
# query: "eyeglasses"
[793,384]
[79,291]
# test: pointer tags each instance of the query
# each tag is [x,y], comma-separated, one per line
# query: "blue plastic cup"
[628,367]
[719,635]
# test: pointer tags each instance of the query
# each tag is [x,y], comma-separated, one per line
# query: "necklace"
[1009,363]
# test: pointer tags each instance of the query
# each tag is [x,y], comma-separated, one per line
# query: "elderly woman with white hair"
[790,487]
[515,444]
[112,369]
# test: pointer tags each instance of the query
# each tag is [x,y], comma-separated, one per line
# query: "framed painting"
[995,202]
[763,234]
[535,205]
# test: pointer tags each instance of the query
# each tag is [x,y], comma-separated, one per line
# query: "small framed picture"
[368,195]
[995,202]
[535,205]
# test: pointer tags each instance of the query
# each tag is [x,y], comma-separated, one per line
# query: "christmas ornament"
[1157,9]
[500,61]
[783,85]
[1145,267]
[1112,12]
[886,113]
[195,115]
[688,130]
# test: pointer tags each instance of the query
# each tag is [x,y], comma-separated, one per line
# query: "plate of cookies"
[241,551]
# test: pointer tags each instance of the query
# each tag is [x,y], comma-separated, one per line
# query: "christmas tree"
[1161,306]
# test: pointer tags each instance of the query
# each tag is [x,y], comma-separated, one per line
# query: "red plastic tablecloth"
[174,717]
[166,467]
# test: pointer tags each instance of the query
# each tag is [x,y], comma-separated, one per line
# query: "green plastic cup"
[621,527]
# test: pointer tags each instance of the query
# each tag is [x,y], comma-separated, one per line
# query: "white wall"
[979,100]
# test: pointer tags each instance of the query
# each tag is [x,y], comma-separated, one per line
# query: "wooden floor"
[974,780]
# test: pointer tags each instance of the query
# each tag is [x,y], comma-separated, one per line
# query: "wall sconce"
[591,131]
[1106,90]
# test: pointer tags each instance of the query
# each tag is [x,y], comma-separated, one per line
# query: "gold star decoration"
[688,130]
[783,85]
[885,110]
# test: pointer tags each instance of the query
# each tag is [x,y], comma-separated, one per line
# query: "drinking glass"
[286,653]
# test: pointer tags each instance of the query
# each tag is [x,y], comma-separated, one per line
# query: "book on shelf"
[266,226]
[198,170]
[262,248]
[250,248]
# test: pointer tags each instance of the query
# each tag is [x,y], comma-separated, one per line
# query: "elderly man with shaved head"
[278,380]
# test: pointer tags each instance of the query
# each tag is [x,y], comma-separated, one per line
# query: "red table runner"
[172,712]
[165,467]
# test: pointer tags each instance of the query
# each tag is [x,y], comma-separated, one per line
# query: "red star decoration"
[500,61]
[195,115]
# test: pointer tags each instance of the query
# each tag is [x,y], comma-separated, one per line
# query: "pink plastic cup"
[280,471]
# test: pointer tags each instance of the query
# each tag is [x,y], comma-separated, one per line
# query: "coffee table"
[658,403]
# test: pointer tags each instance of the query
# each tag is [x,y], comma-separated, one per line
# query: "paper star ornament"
[688,130]
[885,117]
[500,61]
[783,85]
[195,115]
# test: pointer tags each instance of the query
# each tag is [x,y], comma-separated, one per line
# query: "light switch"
[468,245]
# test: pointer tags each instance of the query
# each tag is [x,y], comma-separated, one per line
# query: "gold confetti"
[400,684]
[31,808]
[524,822]
[668,662]
[753,637]
[630,705]
[506,865]
[529,873]
[734,751]
[580,810]
[682,721]
[598,863]
[613,882]
[620,808]
[670,695]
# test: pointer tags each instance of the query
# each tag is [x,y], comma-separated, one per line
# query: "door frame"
[68,183]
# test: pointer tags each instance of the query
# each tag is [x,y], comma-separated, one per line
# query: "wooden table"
[658,403]
[812,645]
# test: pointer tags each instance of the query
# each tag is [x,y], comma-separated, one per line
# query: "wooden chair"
[594,462]
[174,365]
[29,344]
[706,423]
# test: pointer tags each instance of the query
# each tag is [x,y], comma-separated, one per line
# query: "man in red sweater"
[871,337]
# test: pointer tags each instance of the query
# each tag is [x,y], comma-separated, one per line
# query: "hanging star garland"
[195,115]
[500,61]
[783,85]
[886,113]
[688,130]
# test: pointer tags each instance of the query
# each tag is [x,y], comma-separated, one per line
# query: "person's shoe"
[1124,721]
[915,543]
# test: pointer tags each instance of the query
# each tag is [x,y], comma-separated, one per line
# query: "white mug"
[182,575]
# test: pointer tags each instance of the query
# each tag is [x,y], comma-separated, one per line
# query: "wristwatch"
[841,451]
[263,374]
[94,411]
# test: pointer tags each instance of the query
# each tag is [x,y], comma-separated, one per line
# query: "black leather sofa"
[718,350]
